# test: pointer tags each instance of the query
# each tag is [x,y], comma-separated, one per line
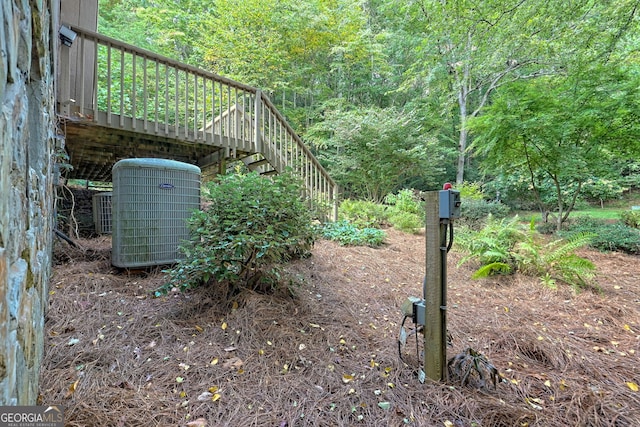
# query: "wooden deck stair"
[118,101]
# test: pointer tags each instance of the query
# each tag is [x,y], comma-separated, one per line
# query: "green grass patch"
[599,213]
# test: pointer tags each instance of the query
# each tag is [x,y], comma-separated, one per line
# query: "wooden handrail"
[122,86]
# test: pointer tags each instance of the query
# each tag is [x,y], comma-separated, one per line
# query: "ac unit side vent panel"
[152,199]
[102,212]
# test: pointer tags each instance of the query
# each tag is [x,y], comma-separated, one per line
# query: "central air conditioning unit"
[152,199]
[102,212]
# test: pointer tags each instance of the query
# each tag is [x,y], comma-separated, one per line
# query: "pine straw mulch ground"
[328,356]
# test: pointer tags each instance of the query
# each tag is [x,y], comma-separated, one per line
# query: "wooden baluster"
[121,112]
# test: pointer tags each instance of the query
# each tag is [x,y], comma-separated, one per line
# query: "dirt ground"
[328,356]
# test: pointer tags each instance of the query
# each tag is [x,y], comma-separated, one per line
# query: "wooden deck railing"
[121,86]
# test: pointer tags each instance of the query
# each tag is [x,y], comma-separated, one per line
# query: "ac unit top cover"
[156,164]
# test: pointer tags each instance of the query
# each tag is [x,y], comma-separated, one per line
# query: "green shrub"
[406,222]
[548,227]
[602,190]
[405,211]
[631,218]
[470,191]
[251,225]
[348,234]
[607,236]
[405,201]
[474,212]
[362,213]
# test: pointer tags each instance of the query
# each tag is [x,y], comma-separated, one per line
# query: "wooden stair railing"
[120,86]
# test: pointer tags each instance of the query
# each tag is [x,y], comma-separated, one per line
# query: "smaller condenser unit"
[152,199]
[102,212]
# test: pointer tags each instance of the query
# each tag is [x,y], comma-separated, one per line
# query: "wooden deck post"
[64,95]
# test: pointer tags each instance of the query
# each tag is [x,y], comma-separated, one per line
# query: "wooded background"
[536,100]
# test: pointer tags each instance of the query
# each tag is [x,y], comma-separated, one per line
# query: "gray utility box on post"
[450,203]
[152,199]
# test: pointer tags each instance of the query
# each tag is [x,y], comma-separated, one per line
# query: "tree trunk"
[462,142]
[462,148]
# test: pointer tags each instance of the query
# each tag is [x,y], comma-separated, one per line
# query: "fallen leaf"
[214,361]
[384,405]
[205,396]
[72,389]
[547,383]
[632,386]
[179,380]
[533,405]
[199,329]
[347,378]
[200,422]
[233,363]
[215,397]
[224,325]
[448,423]
[234,306]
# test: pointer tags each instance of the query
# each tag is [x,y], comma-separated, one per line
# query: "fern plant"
[556,260]
[503,247]
[492,246]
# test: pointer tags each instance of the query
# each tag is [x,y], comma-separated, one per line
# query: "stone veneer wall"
[27,127]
